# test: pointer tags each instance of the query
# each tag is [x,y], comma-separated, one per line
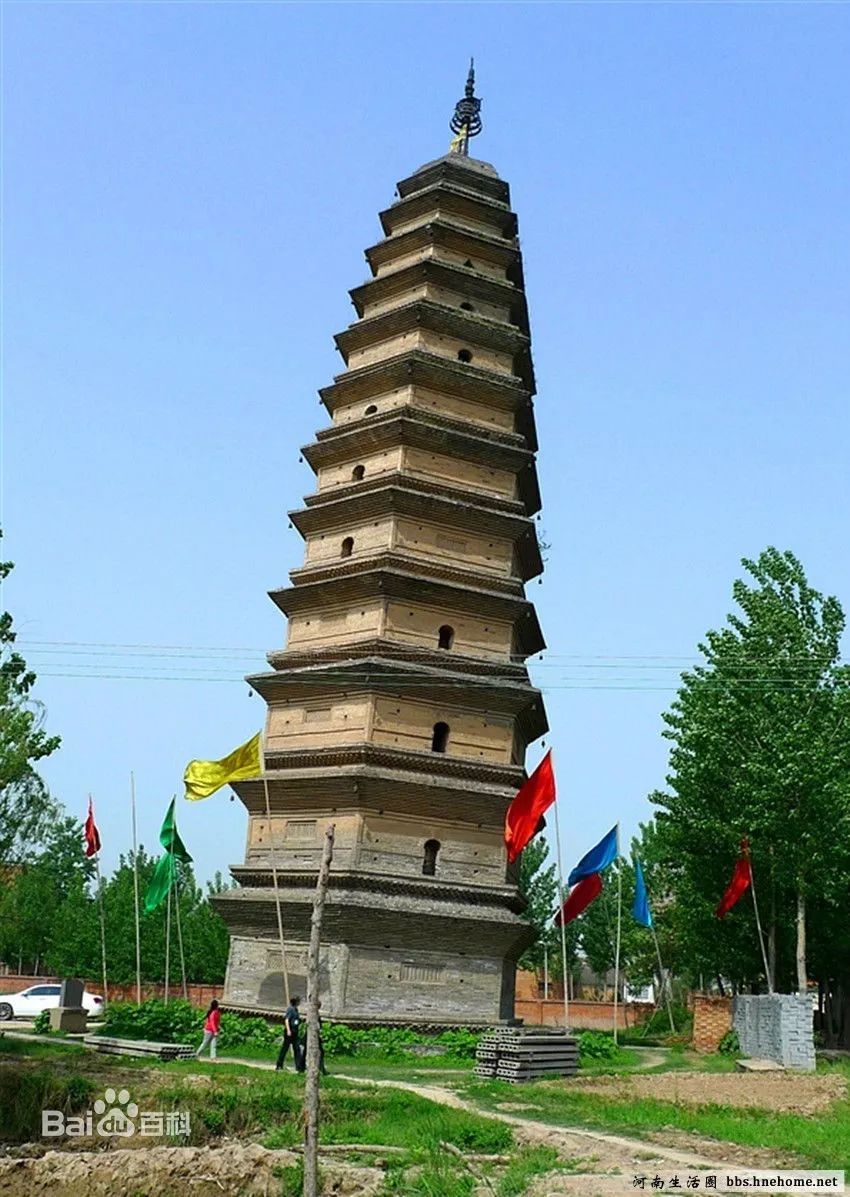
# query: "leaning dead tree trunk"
[311,1084]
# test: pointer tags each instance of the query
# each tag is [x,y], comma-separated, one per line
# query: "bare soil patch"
[780,1092]
[171,1171]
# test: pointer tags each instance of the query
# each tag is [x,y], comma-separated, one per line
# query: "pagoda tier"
[400,708]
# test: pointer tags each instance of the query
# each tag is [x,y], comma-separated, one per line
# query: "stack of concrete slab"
[519,1054]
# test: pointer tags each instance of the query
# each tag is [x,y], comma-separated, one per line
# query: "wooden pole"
[180,937]
[286,994]
[768,977]
[168,932]
[136,891]
[619,928]
[665,989]
[560,909]
[311,1083]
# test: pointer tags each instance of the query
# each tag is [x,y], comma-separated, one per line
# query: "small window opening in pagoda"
[464,355]
[429,861]
[446,636]
[357,473]
[347,546]
[440,738]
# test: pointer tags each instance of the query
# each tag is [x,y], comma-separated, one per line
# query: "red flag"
[91,833]
[524,813]
[580,897]
[742,879]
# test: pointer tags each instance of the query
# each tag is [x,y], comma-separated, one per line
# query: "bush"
[41,1023]
[730,1045]
[181,1022]
[597,1045]
[460,1044]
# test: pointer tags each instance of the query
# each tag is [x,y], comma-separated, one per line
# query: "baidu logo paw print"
[116,1120]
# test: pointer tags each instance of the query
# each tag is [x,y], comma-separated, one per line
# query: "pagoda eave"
[371,920]
[455,199]
[354,784]
[285,658]
[421,430]
[460,169]
[435,317]
[384,675]
[419,367]
[387,576]
[449,275]
[456,237]
[428,764]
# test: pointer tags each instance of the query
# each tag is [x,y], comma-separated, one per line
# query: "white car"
[30,1002]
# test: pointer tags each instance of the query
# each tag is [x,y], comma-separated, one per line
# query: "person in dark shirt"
[303,1065]
[291,1024]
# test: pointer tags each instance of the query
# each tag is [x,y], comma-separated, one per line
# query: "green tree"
[25,805]
[38,890]
[760,748]
[539,886]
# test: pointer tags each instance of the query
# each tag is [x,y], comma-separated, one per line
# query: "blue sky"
[188,190]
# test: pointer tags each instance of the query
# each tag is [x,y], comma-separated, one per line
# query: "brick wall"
[586,1016]
[712,1019]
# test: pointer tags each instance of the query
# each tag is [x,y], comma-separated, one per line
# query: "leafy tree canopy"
[25,805]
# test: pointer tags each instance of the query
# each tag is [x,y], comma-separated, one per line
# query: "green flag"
[163,874]
[161,882]
[170,838]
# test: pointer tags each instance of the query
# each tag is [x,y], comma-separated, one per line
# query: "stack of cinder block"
[524,1054]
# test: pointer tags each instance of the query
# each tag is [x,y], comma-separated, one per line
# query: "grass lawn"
[818,1141]
[230,1099]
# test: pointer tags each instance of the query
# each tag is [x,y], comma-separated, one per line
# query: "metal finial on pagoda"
[466,121]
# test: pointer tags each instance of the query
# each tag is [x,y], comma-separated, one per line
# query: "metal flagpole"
[758,928]
[286,995]
[619,927]
[168,931]
[545,971]
[102,924]
[561,909]
[136,890]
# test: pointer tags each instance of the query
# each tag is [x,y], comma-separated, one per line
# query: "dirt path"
[575,1142]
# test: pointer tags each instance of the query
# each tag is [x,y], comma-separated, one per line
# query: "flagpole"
[619,927]
[561,908]
[168,930]
[665,989]
[102,917]
[180,936]
[286,995]
[758,928]
[136,890]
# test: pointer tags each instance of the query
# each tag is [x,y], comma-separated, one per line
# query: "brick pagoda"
[400,708]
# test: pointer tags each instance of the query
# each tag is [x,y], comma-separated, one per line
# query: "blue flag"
[598,858]
[640,906]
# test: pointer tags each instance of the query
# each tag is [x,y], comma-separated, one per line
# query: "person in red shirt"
[211,1024]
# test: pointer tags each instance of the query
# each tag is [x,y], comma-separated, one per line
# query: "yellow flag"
[203,778]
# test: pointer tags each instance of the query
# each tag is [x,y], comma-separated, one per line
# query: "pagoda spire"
[466,120]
